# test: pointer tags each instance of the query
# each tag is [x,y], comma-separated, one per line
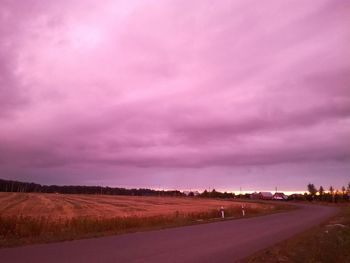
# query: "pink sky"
[175,94]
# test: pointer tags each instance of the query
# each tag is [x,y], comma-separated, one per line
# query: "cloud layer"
[153,88]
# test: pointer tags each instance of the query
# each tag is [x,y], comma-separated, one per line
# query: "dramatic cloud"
[175,93]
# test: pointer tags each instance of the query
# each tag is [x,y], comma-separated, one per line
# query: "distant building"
[265,196]
[297,197]
[255,195]
[262,195]
[191,193]
[280,196]
[196,193]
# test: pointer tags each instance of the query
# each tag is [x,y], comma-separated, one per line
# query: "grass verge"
[329,242]
[22,230]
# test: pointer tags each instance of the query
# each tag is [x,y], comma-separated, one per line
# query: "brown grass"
[94,206]
[27,218]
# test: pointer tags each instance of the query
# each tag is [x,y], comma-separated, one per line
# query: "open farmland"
[93,206]
[27,218]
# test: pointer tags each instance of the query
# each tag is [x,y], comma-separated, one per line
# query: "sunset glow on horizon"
[175,94]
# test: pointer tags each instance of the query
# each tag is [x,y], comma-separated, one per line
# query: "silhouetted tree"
[312,190]
[216,194]
[205,193]
[331,191]
[321,192]
[344,194]
[15,186]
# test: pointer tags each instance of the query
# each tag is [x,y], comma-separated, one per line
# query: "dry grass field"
[94,206]
[27,218]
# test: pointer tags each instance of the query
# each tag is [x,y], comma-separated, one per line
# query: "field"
[93,206]
[27,218]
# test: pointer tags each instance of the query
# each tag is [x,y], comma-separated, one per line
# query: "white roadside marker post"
[222,212]
[243,213]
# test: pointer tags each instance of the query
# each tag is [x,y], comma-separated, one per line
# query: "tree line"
[332,195]
[216,194]
[25,187]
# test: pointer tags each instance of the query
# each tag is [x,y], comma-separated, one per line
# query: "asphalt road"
[225,241]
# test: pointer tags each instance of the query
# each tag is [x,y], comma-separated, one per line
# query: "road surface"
[225,241]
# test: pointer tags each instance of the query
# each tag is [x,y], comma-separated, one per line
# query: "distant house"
[265,196]
[196,193]
[191,193]
[297,197]
[280,196]
[261,195]
[255,195]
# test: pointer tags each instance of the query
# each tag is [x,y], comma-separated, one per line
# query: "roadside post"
[243,212]
[222,212]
